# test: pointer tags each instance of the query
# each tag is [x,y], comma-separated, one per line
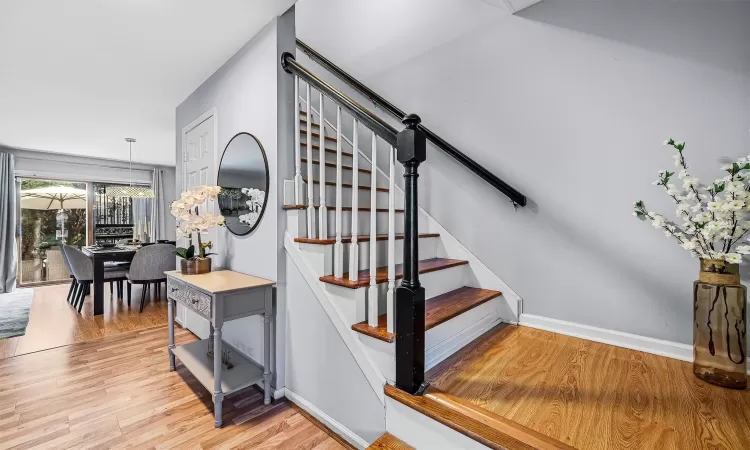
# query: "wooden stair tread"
[438,310]
[331,164]
[389,442]
[425,266]
[347,185]
[328,150]
[363,238]
[332,208]
[487,428]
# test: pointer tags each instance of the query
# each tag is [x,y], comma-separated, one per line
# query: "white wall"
[568,101]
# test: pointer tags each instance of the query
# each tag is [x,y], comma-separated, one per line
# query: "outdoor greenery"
[38,227]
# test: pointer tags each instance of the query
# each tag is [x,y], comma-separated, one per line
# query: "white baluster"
[354,247]
[391,239]
[338,247]
[298,192]
[372,293]
[322,211]
[310,184]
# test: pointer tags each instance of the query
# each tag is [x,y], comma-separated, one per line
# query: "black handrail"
[516,197]
[371,121]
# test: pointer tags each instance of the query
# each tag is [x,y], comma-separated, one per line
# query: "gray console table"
[222,296]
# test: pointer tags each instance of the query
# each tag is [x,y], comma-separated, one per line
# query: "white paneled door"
[198,168]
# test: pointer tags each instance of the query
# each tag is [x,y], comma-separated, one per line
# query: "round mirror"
[243,176]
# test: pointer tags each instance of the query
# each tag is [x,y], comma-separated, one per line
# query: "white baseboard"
[279,393]
[669,349]
[327,420]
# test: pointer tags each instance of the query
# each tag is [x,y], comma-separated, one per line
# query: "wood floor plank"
[55,323]
[117,392]
[594,396]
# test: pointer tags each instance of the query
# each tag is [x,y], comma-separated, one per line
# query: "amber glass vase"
[195,266]
[719,336]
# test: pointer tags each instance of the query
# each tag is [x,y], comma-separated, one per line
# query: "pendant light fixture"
[130,190]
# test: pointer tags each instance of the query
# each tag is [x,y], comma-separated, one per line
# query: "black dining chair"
[148,267]
[83,270]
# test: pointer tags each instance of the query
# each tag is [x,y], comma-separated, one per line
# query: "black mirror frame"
[268,179]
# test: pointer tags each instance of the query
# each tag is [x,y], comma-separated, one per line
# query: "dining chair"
[83,270]
[73,281]
[148,266]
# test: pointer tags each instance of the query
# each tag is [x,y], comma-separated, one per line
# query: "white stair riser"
[330,156]
[427,249]
[435,283]
[440,341]
[364,178]
[346,200]
[422,432]
[321,257]
[363,223]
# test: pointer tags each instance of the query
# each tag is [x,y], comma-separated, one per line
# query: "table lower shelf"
[244,373]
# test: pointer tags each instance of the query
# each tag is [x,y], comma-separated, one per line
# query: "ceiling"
[79,76]
[411,28]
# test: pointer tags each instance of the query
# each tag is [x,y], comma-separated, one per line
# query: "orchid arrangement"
[190,220]
[255,205]
[714,217]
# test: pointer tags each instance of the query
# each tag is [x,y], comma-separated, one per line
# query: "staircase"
[362,242]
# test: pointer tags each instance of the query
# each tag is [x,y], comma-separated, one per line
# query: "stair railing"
[405,313]
[516,198]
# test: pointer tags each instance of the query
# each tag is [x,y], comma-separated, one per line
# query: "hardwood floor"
[118,392]
[53,322]
[389,442]
[595,396]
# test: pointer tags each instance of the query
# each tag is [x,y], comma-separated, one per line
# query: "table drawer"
[190,297]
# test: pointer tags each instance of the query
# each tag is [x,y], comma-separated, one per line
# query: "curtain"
[158,207]
[8,262]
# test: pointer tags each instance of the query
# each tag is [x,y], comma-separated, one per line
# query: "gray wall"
[61,166]
[569,101]
[252,93]
[245,93]
[320,367]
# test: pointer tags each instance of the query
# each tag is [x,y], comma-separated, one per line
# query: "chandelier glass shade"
[129,191]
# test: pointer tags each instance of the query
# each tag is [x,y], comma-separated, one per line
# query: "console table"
[222,296]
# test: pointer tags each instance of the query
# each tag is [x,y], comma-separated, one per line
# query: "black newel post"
[409,307]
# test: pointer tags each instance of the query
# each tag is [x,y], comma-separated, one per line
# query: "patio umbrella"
[53,197]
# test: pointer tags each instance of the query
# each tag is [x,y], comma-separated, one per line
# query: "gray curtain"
[158,207]
[8,262]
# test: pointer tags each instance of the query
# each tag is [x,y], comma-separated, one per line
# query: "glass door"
[122,213]
[52,213]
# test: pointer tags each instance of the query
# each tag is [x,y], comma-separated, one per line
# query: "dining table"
[99,256]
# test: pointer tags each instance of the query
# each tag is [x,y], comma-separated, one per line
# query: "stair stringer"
[356,348]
